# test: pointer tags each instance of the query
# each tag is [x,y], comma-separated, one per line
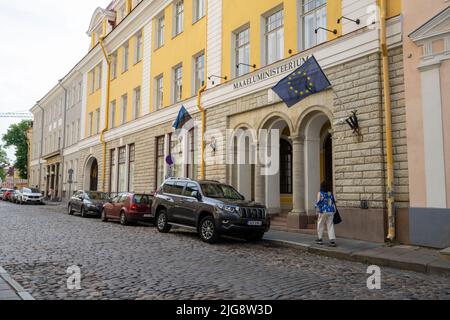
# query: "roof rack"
[178,178]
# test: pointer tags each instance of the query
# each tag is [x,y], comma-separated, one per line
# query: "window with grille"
[274,36]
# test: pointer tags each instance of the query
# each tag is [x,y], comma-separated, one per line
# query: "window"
[90,124]
[191,167]
[176,151]
[159,93]
[113,179]
[123,118]
[136,102]
[190,188]
[125,54]
[242,52]
[112,114]
[179,17]
[160,32]
[98,73]
[114,65]
[138,47]
[199,72]
[131,167]
[91,81]
[97,121]
[122,168]
[274,37]
[199,9]
[177,84]
[160,146]
[314,16]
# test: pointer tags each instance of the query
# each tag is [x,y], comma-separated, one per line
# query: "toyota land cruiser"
[209,207]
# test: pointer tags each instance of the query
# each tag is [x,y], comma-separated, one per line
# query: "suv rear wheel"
[162,222]
[207,230]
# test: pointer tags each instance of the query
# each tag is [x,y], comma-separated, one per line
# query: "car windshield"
[26,190]
[220,191]
[97,196]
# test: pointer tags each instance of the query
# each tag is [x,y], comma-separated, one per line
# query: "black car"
[87,203]
[209,207]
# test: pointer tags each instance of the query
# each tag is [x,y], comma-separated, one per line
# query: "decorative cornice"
[428,30]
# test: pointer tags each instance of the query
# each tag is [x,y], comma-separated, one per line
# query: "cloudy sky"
[41,41]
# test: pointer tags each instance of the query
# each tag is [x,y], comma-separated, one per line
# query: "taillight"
[134,207]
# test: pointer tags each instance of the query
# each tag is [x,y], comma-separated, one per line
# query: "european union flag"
[183,118]
[303,82]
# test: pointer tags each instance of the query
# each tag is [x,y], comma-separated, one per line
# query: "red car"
[128,208]
[7,195]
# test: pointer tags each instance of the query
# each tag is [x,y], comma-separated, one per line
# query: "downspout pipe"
[203,144]
[42,144]
[388,118]
[108,91]
[63,145]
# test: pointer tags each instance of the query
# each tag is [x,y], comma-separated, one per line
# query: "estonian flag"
[183,118]
[303,82]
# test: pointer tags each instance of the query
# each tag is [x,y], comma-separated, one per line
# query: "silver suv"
[209,207]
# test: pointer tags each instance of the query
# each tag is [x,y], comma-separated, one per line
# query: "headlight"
[229,209]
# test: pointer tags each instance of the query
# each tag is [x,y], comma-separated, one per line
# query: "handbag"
[337,217]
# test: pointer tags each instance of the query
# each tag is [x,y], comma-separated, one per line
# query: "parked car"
[2,190]
[128,208]
[30,195]
[15,196]
[87,203]
[7,194]
[209,207]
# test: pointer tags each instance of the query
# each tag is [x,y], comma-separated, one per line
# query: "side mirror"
[196,195]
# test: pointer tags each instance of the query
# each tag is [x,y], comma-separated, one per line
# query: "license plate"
[255,223]
[147,215]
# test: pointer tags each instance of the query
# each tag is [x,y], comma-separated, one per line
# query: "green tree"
[17,137]
[4,163]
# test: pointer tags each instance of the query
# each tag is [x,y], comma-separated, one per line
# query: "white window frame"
[125,56]
[199,10]
[267,33]
[160,31]
[112,114]
[159,92]
[237,46]
[177,90]
[136,102]
[196,81]
[114,61]
[138,42]
[123,108]
[302,24]
[178,17]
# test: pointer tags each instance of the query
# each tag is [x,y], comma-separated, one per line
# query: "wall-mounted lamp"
[213,145]
[218,77]
[353,123]
[331,31]
[357,21]
[245,64]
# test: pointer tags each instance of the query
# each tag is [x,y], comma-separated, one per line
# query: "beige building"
[427,86]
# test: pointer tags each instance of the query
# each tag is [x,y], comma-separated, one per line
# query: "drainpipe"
[63,137]
[388,119]
[202,146]
[102,135]
[42,142]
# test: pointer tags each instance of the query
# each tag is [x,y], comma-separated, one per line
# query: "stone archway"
[91,175]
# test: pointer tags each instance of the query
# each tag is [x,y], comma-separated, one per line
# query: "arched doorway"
[278,184]
[91,175]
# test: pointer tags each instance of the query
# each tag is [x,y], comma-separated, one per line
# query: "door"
[109,207]
[119,205]
[76,201]
[190,204]
[178,214]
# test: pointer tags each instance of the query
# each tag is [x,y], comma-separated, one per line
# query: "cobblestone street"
[39,243]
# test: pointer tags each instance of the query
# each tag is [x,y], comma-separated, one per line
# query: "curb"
[16,286]
[430,268]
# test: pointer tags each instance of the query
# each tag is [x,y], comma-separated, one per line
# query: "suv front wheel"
[162,222]
[208,231]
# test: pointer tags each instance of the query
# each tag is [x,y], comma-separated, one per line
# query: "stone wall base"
[429,227]
[367,225]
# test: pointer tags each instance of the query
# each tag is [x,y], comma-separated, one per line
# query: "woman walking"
[326,206]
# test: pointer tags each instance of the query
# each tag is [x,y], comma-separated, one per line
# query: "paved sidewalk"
[10,289]
[402,257]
